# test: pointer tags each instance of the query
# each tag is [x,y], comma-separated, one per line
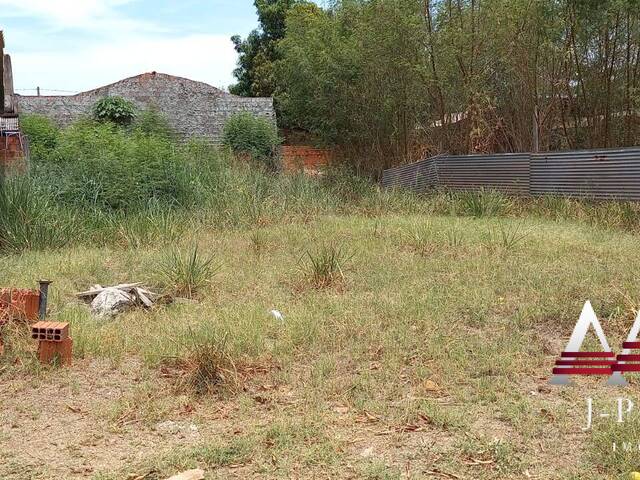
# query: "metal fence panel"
[419,176]
[598,174]
[507,173]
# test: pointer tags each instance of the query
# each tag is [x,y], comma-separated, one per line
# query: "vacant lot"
[428,357]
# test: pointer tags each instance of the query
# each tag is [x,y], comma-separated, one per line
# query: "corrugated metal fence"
[602,174]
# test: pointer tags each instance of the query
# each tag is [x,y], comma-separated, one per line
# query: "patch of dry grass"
[435,358]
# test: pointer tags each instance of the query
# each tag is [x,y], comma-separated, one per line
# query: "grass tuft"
[325,266]
[483,203]
[187,273]
[207,364]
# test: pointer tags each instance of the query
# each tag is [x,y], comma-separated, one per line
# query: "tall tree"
[258,52]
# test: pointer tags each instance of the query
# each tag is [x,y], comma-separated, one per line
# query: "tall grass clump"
[30,220]
[187,273]
[42,134]
[325,266]
[256,137]
[206,362]
[102,166]
[483,203]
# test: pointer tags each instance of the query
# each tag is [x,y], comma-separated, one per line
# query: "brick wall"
[11,157]
[194,109]
[304,158]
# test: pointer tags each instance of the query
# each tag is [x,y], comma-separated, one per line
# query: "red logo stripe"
[628,358]
[626,367]
[586,363]
[588,354]
[584,371]
[631,344]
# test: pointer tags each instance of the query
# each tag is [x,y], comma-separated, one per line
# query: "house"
[194,109]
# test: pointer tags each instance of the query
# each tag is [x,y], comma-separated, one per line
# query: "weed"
[259,242]
[28,220]
[207,364]
[483,203]
[325,266]
[454,237]
[421,240]
[187,273]
[506,236]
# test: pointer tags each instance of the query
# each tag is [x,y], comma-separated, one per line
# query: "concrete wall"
[194,109]
[8,83]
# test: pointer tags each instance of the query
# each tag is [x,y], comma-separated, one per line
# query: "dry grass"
[433,363]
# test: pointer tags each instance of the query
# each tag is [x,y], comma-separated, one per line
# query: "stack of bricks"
[55,344]
[17,303]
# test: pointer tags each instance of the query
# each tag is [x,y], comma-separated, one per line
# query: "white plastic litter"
[277,315]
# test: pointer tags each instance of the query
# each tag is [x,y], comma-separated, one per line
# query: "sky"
[68,46]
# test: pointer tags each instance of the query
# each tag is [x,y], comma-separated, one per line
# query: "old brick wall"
[194,109]
[304,158]
[11,156]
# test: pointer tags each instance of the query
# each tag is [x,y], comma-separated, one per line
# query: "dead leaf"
[431,386]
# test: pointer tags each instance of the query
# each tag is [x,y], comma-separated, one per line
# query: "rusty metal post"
[44,293]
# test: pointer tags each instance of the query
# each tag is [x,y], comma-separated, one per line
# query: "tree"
[258,52]
[389,81]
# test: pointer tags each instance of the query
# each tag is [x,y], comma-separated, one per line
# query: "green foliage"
[186,273]
[42,134]
[29,219]
[353,76]
[102,166]
[325,266]
[391,80]
[152,122]
[114,109]
[257,137]
[258,53]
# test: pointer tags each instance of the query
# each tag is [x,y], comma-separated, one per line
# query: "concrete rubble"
[109,301]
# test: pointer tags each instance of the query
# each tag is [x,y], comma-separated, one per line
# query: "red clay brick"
[49,352]
[50,331]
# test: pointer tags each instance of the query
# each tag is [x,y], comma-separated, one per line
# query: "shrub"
[104,167]
[114,109]
[249,135]
[42,134]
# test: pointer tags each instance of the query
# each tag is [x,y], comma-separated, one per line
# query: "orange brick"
[49,352]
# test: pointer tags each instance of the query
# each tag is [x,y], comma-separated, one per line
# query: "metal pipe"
[44,293]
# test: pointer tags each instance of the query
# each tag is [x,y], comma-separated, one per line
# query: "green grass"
[430,354]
